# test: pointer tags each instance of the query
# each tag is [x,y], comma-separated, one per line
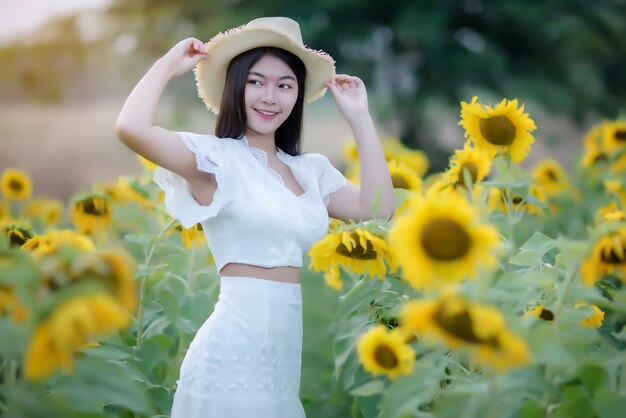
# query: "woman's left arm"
[349,202]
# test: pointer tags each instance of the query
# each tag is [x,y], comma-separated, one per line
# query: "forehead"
[271,66]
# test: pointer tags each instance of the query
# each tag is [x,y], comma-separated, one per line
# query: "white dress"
[245,360]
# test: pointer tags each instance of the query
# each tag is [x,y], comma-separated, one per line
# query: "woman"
[261,203]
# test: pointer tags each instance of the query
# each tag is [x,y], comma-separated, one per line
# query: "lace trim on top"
[261,155]
[203,160]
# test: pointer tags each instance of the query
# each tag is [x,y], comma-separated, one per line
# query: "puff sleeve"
[328,177]
[179,201]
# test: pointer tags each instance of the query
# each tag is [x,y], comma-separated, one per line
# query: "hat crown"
[288,27]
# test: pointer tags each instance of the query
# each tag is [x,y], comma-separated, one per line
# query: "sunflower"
[614,216]
[70,325]
[551,176]
[16,185]
[503,129]
[9,303]
[616,187]
[5,212]
[91,213]
[393,149]
[404,177]
[540,312]
[333,278]
[607,256]
[123,191]
[460,324]
[193,236]
[618,165]
[414,159]
[385,352]
[440,240]
[595,319]
[614,136]
[355,249]
[50,211]
[18,235]
[115,269]
[53,239]
[471,160]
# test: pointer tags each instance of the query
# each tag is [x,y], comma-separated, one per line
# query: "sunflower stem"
[142,282]
[621,388]
[191,259]
[560,302]
[493,394]
[9,368]
[509,210]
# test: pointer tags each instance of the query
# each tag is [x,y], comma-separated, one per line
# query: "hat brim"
[211,74]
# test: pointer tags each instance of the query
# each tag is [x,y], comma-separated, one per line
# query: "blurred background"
[66,67]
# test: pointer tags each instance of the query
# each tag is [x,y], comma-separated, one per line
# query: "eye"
[254,82]
[285,86]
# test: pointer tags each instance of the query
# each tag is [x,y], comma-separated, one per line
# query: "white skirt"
[245,360]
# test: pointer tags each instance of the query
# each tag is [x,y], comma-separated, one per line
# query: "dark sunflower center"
[358,252]
[385,357]
[552,175]
[16,185]
[18,237]
[445,240]
[472,170]
[460,325]
[399,182]
[95,207]
[546,315]
[611,258]
[600,158]
[497,130]
[620,135]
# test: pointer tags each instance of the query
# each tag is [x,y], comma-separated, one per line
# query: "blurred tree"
[569,55]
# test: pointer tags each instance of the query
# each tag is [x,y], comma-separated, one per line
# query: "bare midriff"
[278,274]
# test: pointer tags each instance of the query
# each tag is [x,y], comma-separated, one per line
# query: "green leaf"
[97,382]
[608,404]
[162,398]
[574,404]
[539,243]
[149,355]
[531,409]
[144,270]
[593,376]
[373,387]
[407,393]
[143,239]
[360,295]
[170,303]
[527,258]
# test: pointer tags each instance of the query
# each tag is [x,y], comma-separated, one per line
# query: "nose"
[268,95]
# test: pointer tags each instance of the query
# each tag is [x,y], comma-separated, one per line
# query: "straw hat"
[278,32]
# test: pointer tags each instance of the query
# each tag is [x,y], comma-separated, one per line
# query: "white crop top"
[253,218]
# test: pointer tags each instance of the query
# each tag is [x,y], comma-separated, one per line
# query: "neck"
[265,142]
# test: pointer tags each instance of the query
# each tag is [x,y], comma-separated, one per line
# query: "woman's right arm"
[135,124]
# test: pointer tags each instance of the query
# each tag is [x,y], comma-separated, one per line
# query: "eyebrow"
[290,77]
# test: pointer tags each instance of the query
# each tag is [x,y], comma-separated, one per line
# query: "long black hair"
[231,120]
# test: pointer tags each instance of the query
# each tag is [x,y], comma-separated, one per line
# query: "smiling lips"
[266,114]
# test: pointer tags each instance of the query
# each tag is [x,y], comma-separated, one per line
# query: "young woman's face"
[270,95]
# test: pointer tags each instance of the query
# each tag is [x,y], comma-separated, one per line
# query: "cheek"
[291,101]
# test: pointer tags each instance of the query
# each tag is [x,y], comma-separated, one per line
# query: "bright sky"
[19,17]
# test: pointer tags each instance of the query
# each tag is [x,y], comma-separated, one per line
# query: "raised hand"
[351,97]
[185,55]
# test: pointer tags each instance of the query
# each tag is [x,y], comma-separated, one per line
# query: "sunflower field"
[494,291]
